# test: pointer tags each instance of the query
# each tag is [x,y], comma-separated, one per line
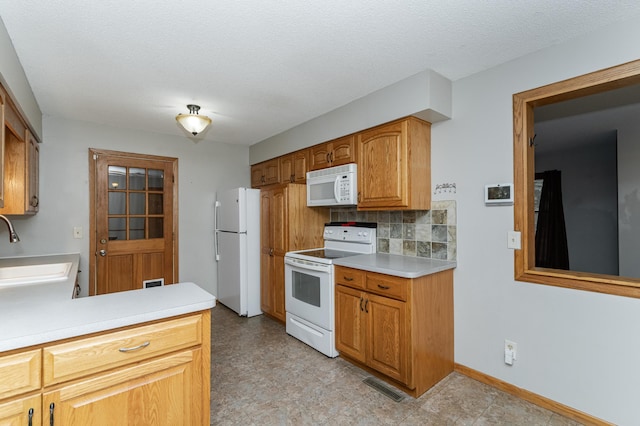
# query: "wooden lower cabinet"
[286,224]
[397,328]
[159,392]
[151,374]
[21,411]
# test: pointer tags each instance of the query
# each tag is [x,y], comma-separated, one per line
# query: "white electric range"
[310,286]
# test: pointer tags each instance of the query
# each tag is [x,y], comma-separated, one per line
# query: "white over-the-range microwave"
[334,186]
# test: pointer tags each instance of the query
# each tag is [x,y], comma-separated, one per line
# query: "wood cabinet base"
[398,329]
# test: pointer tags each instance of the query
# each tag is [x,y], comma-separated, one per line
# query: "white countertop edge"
[93,314]
[396,265]
[51,336]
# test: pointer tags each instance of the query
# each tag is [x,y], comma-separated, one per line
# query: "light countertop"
[393,264]
[40,313]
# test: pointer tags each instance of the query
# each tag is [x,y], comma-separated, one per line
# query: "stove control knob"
[365,234]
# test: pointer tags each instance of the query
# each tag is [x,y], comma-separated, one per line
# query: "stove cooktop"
[328,253]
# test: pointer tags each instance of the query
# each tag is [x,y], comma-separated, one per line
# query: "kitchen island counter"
[396,265]
[40,313]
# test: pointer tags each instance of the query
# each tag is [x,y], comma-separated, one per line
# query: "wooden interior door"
[133,221]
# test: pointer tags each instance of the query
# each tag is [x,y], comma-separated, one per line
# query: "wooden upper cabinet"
[394,166]
[333,153]
[21,165]
[2,138]
[294,167]
[265,173]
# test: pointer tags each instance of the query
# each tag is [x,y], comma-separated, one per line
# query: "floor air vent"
[383,389]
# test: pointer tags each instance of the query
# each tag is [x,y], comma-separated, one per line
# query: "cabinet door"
[350,323]
[319,156]
[272,171]
[388,337]
[286,169]
[3,105]
[300,166]
[343,151]
[278,288]
[278,220]
[382,167]
[257,175]
[22,412]
[266,253]
[160,392]
[32,186]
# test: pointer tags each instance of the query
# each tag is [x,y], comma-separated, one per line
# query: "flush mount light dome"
[193,122]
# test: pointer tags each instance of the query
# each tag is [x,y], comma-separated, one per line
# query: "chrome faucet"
[13,236]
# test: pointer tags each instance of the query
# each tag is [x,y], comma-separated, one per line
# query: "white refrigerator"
[237,249]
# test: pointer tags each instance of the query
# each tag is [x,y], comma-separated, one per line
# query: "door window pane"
[137,203]
[117,202]
[117,177]
[137,179]
[135,194]
[156,180]
[117,228]
[155,227]
[136,228]
[155,203]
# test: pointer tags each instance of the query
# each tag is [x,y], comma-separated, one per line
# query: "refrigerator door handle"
[216,207]
[215,229]
[215,243]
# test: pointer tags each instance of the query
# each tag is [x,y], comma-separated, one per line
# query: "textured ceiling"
[259,67]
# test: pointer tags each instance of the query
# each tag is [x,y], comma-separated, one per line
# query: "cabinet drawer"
[99,353]
[387,285]
[349,277]
[20,373]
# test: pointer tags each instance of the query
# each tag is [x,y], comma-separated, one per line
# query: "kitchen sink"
[33,274]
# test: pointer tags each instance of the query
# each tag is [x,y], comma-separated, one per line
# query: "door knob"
[102,253]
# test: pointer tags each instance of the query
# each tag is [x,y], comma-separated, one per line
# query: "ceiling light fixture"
[193,122]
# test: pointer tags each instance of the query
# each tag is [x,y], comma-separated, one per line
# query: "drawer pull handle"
[348,278]
[361,308]
[135,348]
[384,287]
[366,308]
[30,416]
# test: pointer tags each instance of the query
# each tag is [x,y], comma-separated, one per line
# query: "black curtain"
[551,234]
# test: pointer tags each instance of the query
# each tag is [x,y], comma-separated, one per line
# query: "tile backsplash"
[423,233]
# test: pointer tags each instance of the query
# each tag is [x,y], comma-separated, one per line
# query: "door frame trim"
[93,155]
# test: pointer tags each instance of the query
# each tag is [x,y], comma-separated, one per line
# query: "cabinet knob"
[34,201]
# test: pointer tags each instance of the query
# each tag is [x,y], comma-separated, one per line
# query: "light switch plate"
[513,240]
[77,232]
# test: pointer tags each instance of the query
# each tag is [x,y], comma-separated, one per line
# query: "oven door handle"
[307,266]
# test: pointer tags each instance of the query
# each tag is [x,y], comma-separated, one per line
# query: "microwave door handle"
[336,186]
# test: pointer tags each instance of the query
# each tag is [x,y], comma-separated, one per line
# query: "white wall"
[15,81]
[203,167]
[577,348]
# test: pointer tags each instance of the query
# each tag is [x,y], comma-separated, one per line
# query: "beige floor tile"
[262,376]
